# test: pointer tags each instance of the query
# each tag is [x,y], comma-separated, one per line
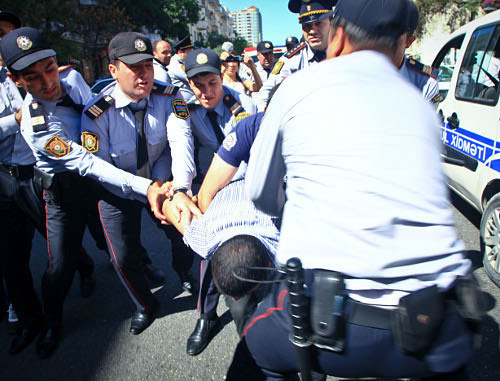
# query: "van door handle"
[453,121]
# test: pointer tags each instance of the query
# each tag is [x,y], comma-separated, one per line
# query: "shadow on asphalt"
[466,209]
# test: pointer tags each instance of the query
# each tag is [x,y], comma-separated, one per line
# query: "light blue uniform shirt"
[231,213]
[178,73]
[366,194]
[64,122]
[13,147]
[300,60]
[170,143]
[425,83]
[161,72]
[264,75]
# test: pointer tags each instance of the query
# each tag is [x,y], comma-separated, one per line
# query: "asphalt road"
[97,345]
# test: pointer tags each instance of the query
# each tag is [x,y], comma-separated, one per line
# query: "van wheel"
[490,239]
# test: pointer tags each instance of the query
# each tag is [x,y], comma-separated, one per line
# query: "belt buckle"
[14,171]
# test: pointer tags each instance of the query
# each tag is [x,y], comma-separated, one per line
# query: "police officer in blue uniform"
[153,141]
[215,111]
[51,127]
[387,294]
[422,76]
[176,67]
[313,16]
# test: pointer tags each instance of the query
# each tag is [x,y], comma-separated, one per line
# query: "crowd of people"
[329,155]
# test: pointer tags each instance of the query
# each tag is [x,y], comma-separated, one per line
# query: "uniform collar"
[121,99]
[156,61]
[219,109]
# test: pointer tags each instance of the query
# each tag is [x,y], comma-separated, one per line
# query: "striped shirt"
[231,213]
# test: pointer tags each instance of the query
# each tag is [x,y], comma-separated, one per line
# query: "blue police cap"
[377,17]
[413,17]
[202,61]
[185,43]
[23,47]
[130,47]
[311,10]
[265,47]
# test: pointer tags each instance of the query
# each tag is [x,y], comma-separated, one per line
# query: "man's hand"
[248,61]
[156,196]
[184,206]
[19,116]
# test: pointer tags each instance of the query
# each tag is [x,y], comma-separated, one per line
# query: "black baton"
[299,313]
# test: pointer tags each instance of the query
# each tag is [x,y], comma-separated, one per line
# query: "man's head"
[203,70]
[131,64]
[32,63]
[162,51]
[184,47]
[237,256]
[314,17]
[291,42]
[378,25]
[228,47]
[412,24]
[265,54]
[8,22]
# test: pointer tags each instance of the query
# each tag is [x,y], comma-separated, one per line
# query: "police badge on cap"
[130,48]
[311,10]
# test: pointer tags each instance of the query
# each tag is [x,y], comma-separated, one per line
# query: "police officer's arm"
[431,92]
[280,71]
[253,84]
[266,167]
[9,124]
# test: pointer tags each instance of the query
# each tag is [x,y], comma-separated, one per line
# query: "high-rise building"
[248,24]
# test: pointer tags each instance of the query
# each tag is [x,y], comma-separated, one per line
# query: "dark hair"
[237,255]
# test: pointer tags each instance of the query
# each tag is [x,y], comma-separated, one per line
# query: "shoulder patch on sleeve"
[90,141]
[436,99]
[57,147]
[277,67]
[230,141]
[64,68]
[180,108]
[37,117]
[232,104]
[100,107]
[164,89]
[241,116]
[421,68]
[295,50]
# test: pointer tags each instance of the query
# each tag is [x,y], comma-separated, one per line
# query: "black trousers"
[265,351]
[21,210]
[208,295]
[121,220]
[68,201]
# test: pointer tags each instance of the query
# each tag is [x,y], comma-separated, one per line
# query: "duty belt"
[17,171]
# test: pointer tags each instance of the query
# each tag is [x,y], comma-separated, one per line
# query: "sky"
[278,22]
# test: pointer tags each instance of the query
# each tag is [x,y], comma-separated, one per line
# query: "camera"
[232,58]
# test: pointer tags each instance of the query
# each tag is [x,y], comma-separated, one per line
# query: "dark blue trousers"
[208,295]
[265,351]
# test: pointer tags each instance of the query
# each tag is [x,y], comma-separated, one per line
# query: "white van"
[470,112]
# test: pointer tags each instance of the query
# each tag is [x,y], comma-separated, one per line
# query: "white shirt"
[366,195]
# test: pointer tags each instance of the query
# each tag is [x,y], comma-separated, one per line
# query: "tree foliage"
[214,40]
[458,12]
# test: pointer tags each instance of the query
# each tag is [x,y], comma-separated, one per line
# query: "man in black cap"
[291,42]
[214,113]
[388,295]
[313,16]
[265,54]
[176,67]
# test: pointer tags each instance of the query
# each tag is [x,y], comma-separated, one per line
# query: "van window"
[478,79]
[446,61]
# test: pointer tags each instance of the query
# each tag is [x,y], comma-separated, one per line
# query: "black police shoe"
[187,282]
[48,342]
[155,276]
[204,331]
[142,320]
[24,338]
[87,284]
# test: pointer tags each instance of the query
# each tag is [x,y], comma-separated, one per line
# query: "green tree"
[214,40]
[459,12]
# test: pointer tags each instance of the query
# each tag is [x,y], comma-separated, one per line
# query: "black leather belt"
[17,171]
[368,315]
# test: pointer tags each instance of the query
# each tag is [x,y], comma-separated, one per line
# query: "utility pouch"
[43,177]
[470,305]
[328,311]
[417,320]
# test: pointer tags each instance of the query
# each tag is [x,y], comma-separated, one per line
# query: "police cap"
[10,17]
[202,61]
[185,43]
[265,47]
[413,17]
[311,10]
[130,48]
[377,17]
[291,41]
[23,47]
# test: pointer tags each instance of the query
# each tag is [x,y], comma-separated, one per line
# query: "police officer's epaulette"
[194,105]
[100,107]
[232,104]
[295,50]
[64,68]
[421,68]
[164,89]
[37,118]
